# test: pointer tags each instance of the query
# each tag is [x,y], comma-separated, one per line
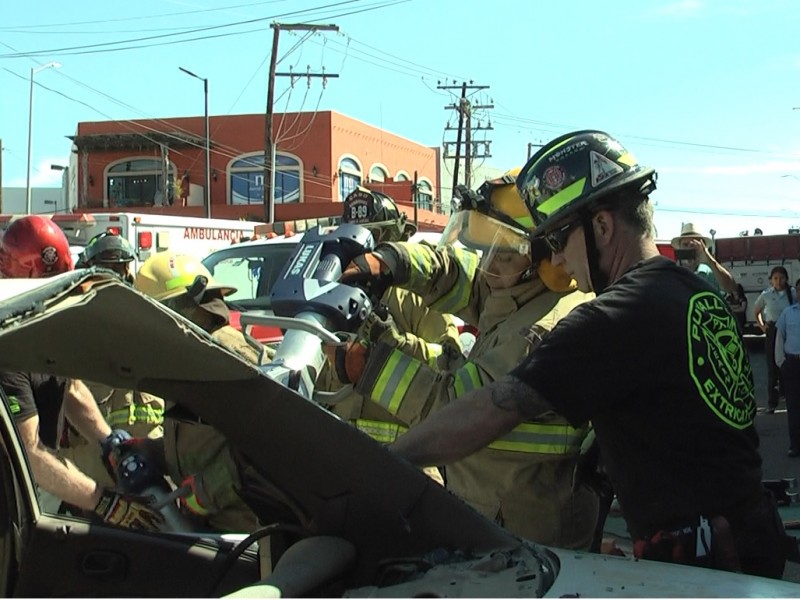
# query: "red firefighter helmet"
[33,247]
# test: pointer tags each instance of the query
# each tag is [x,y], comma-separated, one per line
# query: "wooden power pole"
[465,109]
[270,143]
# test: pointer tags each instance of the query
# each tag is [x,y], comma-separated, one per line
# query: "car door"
[48,555]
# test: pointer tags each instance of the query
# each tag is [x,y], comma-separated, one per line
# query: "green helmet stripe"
[526,222]
[562,198]
[563,142]
[179,281]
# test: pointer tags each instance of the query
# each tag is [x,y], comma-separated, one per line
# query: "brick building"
[158,165]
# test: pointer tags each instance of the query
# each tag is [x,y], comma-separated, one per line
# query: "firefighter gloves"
[350,361]
[127,511]
[195,500]
[379,326]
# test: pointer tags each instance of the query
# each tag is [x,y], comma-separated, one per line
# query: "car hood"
[584,575]
[336,480]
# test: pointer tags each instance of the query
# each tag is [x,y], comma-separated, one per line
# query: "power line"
[105,46]
[140,17]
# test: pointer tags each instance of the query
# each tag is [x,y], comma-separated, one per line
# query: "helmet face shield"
[497,241]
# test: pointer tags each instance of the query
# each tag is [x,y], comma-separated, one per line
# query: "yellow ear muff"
[555,278]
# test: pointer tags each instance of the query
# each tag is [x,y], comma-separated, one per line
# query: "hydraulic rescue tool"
[313,306]
[136,473]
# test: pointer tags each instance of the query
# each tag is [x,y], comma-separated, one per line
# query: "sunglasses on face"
[557,240]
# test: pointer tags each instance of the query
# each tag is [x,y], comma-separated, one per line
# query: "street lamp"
[34,70]
[64,184]
[207,195]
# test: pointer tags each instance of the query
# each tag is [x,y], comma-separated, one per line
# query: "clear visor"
[384,231]
[503,248]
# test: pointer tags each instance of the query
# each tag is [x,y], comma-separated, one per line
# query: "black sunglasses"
[557,240]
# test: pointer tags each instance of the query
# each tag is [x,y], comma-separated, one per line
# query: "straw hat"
[688,230]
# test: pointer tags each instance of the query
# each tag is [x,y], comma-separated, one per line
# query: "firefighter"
[514,296]
[196,455]
[654,361]
[110,251]
[422,332]
[34,247]
[138,413]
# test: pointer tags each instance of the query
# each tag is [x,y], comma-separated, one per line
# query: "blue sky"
[703,90]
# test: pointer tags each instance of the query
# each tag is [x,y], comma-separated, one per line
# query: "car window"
[252,270]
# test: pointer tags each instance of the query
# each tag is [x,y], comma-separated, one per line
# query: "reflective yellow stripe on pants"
[144,414]
[380,431]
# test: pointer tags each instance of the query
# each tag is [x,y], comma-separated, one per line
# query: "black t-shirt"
[32,393]
[656,363]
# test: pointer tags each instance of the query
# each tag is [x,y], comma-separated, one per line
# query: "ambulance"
[151,233]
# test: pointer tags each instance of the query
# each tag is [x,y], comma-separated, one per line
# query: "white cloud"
[43,176]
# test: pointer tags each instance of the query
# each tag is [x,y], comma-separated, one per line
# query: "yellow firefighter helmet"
[168,275]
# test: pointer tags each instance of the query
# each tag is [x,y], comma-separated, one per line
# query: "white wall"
[43,201]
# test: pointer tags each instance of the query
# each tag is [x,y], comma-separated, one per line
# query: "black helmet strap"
[599,279]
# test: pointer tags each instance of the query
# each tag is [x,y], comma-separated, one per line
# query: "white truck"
[750,260]
[151,233]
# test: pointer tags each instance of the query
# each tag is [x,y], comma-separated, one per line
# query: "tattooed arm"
[470,423]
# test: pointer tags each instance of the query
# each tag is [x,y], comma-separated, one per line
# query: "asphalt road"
[774,444]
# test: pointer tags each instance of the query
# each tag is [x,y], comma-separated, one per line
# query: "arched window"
[349,176]
[246,179]
[378,173]
[139,182]
[402,176]
[424,194]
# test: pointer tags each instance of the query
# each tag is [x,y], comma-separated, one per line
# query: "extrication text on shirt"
[718,362]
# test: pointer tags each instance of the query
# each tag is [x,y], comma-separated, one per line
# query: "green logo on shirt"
[13,405]
[718,362]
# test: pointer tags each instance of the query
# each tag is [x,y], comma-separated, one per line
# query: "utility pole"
[270,144]
[531,146]
[414,198]
[465,109]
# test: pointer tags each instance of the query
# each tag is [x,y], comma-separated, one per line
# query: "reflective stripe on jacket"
[524,479]
[426,334]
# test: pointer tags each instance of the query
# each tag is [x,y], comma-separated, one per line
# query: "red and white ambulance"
[151,233]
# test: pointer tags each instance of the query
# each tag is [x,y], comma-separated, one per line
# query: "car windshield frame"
[252,269]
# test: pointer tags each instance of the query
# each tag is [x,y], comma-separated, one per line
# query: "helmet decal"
[602,168]
[554,177]
[359,207]
[49,256]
